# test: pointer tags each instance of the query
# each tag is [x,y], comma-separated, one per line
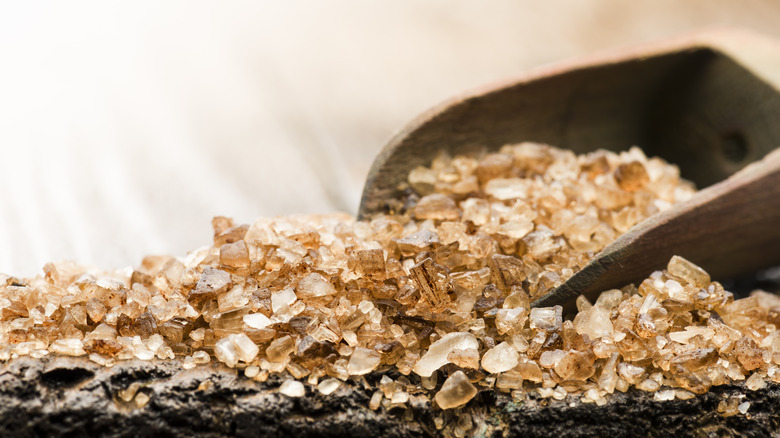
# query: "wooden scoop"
[709,102]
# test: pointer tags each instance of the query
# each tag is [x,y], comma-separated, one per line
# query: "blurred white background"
[124,127]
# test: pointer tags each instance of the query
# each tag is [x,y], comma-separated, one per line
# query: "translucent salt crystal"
[594,322]
[376,400]
[96,309]
[755,382]
[128,393]
[685,336]
[437,207]
[68,347]
[252,371]
[560,393]
[574,366]
[631,176]
[630,373]
[245,348]
[500,358]
[546,318]
[510,320]
[608,378]
[743,407]
[437,353]
[508,188]
[456,391]
[422,180]
[432,282]
[516,229]
[509,380]
[201,357]
[675,290]
[256,320]
[664,395]
[279,349]
[211,283]
[549,358]
[315,285]
[692,274]
[610,299]
[283,298]
[648,385]
[225,351]
[363,361]
[292,388]
[234,255]
[683,394]
[141,399]
[328,386]
[468,358]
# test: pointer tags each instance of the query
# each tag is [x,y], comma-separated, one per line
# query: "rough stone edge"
[60,396]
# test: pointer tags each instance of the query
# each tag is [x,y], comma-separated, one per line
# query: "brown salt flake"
[234,255]
[417,242]
[546,319]
[511,320]
[696,359]
[456,391]
[500,358]
[691,273]
[507,271]
[370,263]
[212,282]
[493,166]
[437,207]
[575,365]
[314,285]
[748,353]
[433,283]
[105,347]
[363,361]
[631,176]
[467,358]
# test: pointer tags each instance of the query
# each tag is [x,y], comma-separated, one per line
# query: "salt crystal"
[664,395]
[225,351]
[683,394]
[201,357]
[252,371]
[507,188]
[500,358]
[256,320]
[234,255]
[363,361]
[574,366]
[631,176]
[437,207]
[292,388]
[546,318]
[510,320]
[328,386]
[743,407]
[688,271]
[549,358]
[755,382]
[314,285]
[437,353]
[68,347]
[468,358]
[279,349]
[246,350]
[141,399]
[456,391]
[283,298]
[376,400]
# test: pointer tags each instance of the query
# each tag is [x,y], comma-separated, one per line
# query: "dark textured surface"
[71,397]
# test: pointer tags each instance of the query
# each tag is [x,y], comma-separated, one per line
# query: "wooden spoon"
[709,102]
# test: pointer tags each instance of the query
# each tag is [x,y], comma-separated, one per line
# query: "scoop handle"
[729,229]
